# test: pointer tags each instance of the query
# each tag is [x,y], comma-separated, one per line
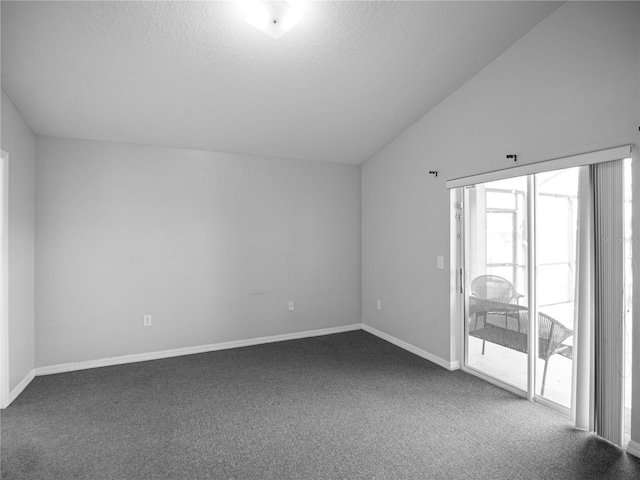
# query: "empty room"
[319,240]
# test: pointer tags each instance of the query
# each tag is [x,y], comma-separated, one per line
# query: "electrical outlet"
[146,320]
[441,263]
[292,305]
[379,304]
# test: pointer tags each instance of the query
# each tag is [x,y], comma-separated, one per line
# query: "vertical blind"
[608,231]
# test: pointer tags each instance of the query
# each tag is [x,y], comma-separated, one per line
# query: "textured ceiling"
[338,87]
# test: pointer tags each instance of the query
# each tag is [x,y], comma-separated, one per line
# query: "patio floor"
[510,366]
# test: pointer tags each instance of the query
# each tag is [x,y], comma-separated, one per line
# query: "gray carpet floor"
[345,406]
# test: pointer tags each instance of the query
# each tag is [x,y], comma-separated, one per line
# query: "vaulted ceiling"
[338,87]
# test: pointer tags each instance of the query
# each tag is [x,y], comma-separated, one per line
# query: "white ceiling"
[338,87]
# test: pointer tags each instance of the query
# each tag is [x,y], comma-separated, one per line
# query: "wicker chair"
[515,335]
[551,334]
[495,290]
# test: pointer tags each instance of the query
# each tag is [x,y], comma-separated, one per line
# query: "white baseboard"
[20,387]
[634,448]
[412,348]
[143,357]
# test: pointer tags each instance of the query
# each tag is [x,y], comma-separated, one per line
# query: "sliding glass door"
[545,283]
[519,314]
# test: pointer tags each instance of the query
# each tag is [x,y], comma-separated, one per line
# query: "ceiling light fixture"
[275,18]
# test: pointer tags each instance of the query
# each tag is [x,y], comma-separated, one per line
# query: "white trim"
[456,305]
[532,293]
[551,405]
[5,398]
[143,357]
[413,349]
[21,386]
[494,381]
[633,448]
[608,155]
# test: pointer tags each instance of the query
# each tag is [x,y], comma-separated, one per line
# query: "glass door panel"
[496,273]
[556,248]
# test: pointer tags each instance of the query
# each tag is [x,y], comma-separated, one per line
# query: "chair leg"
[544,376]
[484,319]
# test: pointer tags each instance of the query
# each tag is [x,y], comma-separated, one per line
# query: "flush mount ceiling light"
[275,18]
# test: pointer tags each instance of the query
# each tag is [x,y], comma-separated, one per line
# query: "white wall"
[571,85]
[212,245]
[19,143]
